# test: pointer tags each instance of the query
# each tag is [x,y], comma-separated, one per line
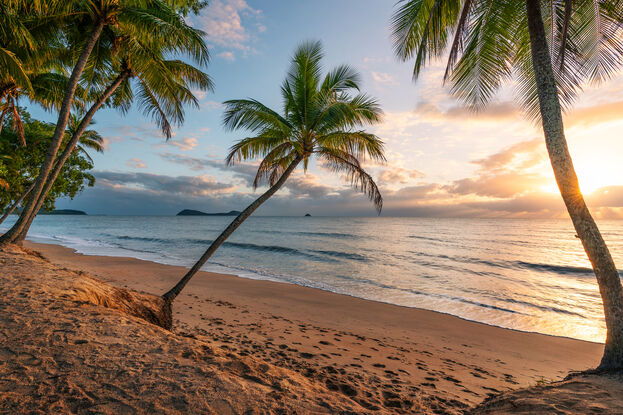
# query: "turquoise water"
[520,274]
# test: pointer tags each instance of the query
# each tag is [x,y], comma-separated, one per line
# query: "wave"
[141,238]
[346,255]
[559,269]
[328,234]
[562,269]
[337,235]
[318,255]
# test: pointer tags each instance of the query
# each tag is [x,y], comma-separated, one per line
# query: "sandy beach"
[363,355]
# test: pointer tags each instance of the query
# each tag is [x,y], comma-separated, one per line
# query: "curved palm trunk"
[16,203]
[63,116]
[69,148]
[586,228]
[170,295]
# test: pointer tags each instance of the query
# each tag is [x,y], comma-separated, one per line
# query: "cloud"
[307,186]
[507,173]
[399,175]
[383,78]
[227,24]
[228,56]
[597,114]
[509,183]
[180,185]
[193,163]
[212,105]
[502,185]
[199,94]
[107,141]
[184,144]
[525,153]
[136,163]
[244,171]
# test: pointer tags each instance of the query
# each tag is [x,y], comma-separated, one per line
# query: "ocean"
[529,275]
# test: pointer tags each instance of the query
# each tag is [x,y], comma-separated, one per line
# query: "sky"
[443,160]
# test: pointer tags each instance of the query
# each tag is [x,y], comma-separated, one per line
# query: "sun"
[590,179]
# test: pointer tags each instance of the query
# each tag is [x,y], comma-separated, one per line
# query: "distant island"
[307,214]
[65,212]
[190,212]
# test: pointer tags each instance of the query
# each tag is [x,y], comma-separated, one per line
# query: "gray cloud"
[506,184]
[307,186]
[244,171]
[181,185]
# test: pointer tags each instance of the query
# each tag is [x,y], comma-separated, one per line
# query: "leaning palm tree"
[551,47]
[321,117]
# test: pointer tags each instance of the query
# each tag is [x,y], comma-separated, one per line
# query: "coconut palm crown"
[323,116]
[489,43]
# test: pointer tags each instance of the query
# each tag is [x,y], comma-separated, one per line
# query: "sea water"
[530,275]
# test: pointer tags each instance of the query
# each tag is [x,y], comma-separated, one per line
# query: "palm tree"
[164,88]
[551,47]
[150,23]
[321,117]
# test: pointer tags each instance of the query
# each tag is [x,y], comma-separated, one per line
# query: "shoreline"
[74,251]
[376,345]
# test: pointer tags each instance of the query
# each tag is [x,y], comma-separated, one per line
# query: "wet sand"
[379,356]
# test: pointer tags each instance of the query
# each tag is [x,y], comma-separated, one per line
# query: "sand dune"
[243,346]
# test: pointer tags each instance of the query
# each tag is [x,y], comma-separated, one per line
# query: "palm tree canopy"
[45,37]
[321,116]
[148,43]
[489,43]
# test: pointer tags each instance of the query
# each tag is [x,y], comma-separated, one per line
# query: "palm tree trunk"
[69,148]
[170,295]
[16,203]
[2,117]
[586,228]
[57,138]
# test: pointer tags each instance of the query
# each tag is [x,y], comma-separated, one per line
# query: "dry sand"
[248,345]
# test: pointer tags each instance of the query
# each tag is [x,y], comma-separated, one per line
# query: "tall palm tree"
[164,88]
[552,47]
[149,21]
[321,116]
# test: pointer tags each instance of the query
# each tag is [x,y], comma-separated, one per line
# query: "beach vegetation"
[20,164]
[130,54]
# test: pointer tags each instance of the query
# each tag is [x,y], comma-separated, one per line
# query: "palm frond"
[252,147]
[342,162]
[420,29]
[252,115]
[359,144]
[341,78]
[271,161]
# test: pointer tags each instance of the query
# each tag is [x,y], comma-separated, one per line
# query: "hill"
[66,212]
